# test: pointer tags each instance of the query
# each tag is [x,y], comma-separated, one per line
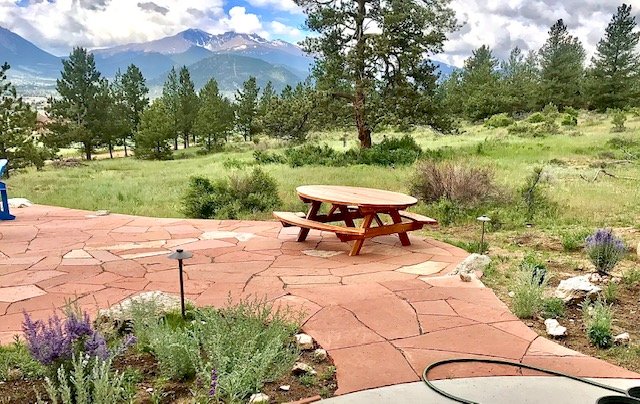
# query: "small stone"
[300,368]
[576,289]
[472,264]
[286,387]
[149,389]
[123,312]
[259,398]
[554,328]
[319,355]
[102,213]
[14,375]
[19,203]
[622,339]
[512,294]
[596,277]
[304,342]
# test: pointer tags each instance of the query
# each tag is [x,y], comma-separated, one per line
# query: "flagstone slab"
[335,327]
[390,317]
[12,294]
[424,268]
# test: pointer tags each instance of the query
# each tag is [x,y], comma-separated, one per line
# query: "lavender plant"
[604,249]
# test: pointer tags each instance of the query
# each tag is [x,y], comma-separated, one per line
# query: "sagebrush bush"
[463,184]
[573,240]
[610,292]
[528,285]
[537,117]
[569,120]
[534,198]
[618,119]
[254,192]
[499,121]
[605,250]
[598,320]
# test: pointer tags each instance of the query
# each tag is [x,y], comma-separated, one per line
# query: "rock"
[471,264]
[161,302]
[286,387]
[577,288]
[102,213]
[319,355]
[259,398]
[512,294]
[300,368]
[596,278]
[14,375]
[19,203]
[322,253]
[304,342]
[622,339]
[467,276]
[554,328]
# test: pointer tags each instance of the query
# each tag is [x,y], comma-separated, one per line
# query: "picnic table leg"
[404,238]
[347,217]
[357,246]
[311,215]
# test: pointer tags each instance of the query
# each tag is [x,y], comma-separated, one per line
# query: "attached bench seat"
[414,217]
[294,219]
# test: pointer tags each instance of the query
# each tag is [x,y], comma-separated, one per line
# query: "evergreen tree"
[74,111]
[520,82]
[388,65]
[215,117]
[171,102]
[247,108]
[562,71]
[153,139]
[110,117]
[288,117]
[135,99]
[17,122]
[613,78]
[188,105]
[480,84]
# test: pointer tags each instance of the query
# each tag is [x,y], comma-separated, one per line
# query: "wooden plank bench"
[295,219]
[414,217]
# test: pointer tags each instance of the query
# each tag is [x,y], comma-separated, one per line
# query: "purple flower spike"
[604,250]
[214,383]
[96,346]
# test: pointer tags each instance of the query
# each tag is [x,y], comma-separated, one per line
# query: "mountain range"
[230,58]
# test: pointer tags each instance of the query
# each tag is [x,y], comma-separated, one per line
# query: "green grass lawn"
[155,188]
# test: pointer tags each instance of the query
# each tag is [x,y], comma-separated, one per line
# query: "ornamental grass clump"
[605,250]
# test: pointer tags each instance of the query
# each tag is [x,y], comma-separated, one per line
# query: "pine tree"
[215,117]
[480,84]
[155,133]
[135,98]
[72,112]
[386,65]
[520,78]
[247,108]
[562,71]
[17,122]
[613,77]
[188,105]
[171,102]
[288,117]
[109,118]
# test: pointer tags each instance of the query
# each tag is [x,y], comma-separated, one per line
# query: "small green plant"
[328,374]
[573,240]
[598,319]
[528,285]
[537,117]
[533,196]
[15,361]
[553,308]
[618,119]
[569,120]
[610,292]
[499,121]
[308,380]
[631,277]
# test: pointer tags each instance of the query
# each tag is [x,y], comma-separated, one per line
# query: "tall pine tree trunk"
[364,133]
[87,151]
[110,149]
[124,142]
[175,143]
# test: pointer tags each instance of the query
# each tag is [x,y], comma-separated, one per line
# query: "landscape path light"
[484,219]
[181,255]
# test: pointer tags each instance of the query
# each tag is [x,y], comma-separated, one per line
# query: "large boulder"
[471,264]
[160,302]
[577,289]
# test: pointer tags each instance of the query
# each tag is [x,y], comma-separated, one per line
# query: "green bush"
[631,277]
[521,128]
[222,199]
[534,198]
[537,117]
[15,360]
[263,157]
[573,240]
[553,308]
[598,319]
[572,112]
[569,120]
[618,119]
[499,121]
[309,155]
[389,152]
[176,350]
[610,292]
[528,285]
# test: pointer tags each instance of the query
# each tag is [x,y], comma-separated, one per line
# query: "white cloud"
[282,5]
[240,21]
[281,29]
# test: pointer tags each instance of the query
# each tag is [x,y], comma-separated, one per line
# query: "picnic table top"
[356,196]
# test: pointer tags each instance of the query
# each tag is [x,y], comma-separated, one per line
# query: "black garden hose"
[450,396]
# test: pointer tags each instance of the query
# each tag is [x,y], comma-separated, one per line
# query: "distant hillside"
[26,58]
[230,71]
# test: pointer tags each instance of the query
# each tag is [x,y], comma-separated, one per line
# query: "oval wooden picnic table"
[350,203]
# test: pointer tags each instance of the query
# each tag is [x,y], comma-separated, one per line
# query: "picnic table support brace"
[404,238]
[357,246]
[311,215]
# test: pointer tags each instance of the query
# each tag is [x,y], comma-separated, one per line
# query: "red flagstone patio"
[383,315]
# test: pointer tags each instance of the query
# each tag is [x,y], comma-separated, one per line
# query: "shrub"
[572,112]
[390,152]
[533,196]
[610,292]
[460,183]
[573,240]
[499,121]
[631,276]
[618,119]
[520,128]
[622,143]
[569,120]
[176,350]
[537,117]
[17,357]
[254,192]
[551,113]
[310,154]
[527,288]
[553,308]
[263,157]
[598,319]
[605,250]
